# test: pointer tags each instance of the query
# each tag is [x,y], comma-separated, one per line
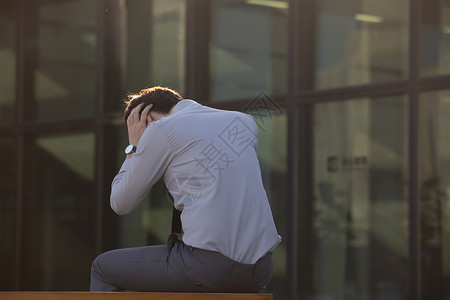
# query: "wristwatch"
[130,149]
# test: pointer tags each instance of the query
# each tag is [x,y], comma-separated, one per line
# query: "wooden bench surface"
[128,296]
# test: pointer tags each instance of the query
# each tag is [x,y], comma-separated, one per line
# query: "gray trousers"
[176,267]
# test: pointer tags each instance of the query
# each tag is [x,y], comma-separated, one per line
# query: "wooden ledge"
[128,296]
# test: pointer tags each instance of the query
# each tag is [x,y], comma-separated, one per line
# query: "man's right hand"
[137,122]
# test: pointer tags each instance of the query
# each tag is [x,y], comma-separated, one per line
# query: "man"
[208,160]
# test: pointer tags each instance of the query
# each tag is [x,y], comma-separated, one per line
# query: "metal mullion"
[98,129]
[20,65]
[292,155]
[197,35]
[99,193]
[54,126]
[188,86]
[18,211]
[339,94]
[433,83]
[240,104]
[414,226]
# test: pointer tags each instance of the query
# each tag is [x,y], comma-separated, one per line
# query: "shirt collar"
[182,104]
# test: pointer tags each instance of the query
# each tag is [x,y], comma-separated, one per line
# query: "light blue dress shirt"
[208,160]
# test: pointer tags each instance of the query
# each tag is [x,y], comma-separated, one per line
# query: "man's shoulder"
[198,113]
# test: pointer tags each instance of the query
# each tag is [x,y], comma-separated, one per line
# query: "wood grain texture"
[128,296]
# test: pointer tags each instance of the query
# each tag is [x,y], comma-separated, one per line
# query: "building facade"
[352,101]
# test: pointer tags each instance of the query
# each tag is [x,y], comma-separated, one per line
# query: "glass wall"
[272,154]
[248,49]
[8,33]
[434,194]
[338,154]
[57,238]
[359,204]
[8,175]
[60,59]
[347,43]
[435,37]
[144,46]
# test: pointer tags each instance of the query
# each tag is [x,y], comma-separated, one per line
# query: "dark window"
[60,59]
[58,240]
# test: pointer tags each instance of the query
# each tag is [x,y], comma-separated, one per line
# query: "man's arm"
[141,171]
[137,176]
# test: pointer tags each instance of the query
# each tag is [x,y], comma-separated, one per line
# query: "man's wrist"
[131,148]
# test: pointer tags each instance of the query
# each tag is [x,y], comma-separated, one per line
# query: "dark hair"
[162,98]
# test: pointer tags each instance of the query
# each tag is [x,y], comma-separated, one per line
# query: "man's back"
[215,179]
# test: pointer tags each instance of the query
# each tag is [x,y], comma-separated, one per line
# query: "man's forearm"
[137,175]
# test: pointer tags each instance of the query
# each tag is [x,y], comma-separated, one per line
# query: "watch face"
[129,149]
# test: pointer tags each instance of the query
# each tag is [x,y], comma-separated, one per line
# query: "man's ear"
[149,119]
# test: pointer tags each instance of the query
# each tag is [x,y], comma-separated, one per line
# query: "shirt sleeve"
[140,172]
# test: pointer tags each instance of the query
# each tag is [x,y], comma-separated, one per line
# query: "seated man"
[208,160]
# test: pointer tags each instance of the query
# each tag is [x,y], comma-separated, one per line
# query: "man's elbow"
[118,207]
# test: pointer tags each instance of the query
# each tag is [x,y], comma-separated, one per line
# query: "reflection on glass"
[167,51]
[434,194]
[58,212]
[354,42]
[435,37]
[248,48]
[7,185]
[144,46]
[359,212]
[8,11]
[272,155]
[150,223]
[60,75]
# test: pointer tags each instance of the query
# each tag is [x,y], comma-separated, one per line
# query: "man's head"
[163,100]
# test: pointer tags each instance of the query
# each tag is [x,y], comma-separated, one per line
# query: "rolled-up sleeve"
[139,173]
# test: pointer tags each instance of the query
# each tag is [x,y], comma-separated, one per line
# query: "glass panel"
[7,187]
[60,59]
[150,223]
[435,37]
[8,14]
[248,48]
[58,239]
[272,155]
[359,205]
[352,43]
[144,44]
[434,194]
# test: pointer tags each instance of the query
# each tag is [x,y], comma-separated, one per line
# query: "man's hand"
[137,122]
